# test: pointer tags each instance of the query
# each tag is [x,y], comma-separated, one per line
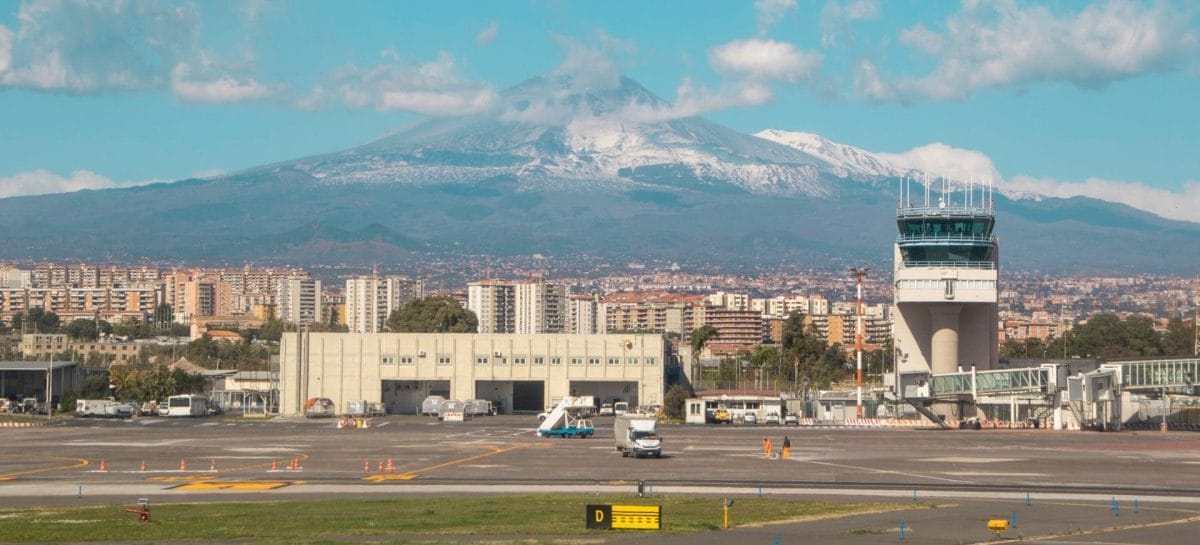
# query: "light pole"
[859,273]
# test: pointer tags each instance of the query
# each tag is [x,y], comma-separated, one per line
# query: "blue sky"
[1060,98]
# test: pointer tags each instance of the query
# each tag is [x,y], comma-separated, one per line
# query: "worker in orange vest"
[767,447]
[786,453]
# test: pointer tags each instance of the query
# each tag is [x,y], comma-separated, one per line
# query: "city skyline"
[1059,99]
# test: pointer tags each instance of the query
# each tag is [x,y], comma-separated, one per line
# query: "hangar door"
[405,396]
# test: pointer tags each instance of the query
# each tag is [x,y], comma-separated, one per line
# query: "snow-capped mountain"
[547,133]
[845,161]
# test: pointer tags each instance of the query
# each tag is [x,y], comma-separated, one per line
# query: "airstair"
[569,411]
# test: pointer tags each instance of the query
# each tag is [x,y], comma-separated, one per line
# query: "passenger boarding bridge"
[1092,396]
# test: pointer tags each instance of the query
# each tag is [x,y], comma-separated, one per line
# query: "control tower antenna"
[859,273]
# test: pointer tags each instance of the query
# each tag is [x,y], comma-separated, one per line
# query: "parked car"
[772,418]
[791,420]
[750,418]
[722,416]
[606,410]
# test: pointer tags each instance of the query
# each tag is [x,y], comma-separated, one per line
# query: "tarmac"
[1057,487]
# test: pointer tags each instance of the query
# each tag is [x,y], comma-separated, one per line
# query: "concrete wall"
[346,366]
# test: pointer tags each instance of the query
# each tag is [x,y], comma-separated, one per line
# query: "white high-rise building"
[585,315]
[946,269]
[494,304]
[541,307]
[371,299]
[298,299]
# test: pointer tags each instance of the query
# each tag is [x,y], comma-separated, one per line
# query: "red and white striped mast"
[859,273]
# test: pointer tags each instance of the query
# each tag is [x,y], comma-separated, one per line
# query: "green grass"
[535,516]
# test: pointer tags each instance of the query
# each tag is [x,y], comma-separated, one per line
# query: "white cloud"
[220,88]
[769,12]
[81,47]
[1003,44]
[5,48]
[590,67]
[488,34]
[960,164]
[692,99]
[41,182]
[431,88]
[86,47]
[1179,205]
[946,161]
[765,59]
[836,18]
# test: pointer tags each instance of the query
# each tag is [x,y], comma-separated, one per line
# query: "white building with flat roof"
[523,373]
[371,299]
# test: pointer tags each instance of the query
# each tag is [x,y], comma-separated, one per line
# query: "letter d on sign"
[599,517]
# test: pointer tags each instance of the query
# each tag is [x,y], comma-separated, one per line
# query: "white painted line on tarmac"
[142,444]
[724,449]
[970,460]
[992,474]
[383,424]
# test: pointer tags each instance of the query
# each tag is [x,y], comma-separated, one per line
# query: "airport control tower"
[947,262]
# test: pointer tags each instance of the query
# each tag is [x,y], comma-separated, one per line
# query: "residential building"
[494,304]
[540,307]
[371,299]
[298,299]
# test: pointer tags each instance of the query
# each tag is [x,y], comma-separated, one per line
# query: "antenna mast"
[859,273]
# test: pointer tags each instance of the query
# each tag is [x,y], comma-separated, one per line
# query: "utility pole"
[859,273]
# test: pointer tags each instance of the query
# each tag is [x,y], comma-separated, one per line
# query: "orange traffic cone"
[183,464]
[143,466]
[381,466]
[366,465]
[390,467]
[213,465]
[103,466]
[274,464]
[295,463]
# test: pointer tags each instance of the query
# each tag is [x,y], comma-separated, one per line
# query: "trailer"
[319,407]
[92,407]
[479,407]
[432,405]
[186,405]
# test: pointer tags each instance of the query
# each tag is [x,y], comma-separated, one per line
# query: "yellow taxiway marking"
[414,473]
[181,478]
[77,463]
[234,485]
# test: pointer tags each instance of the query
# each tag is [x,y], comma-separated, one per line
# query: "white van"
[432,405]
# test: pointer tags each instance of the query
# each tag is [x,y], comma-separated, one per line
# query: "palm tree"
[700,338]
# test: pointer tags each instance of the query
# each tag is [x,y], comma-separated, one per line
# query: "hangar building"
[518,373]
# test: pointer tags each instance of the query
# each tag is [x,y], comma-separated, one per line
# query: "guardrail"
[947,237]
[972,211]
[981,265]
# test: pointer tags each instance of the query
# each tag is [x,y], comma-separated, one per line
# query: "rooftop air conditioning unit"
[421,354]
[499,354]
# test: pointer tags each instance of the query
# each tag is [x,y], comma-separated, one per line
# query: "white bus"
[186,405]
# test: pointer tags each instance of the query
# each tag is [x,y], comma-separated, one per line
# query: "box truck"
[637,435]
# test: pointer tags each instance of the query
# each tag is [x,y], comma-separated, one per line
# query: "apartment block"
[298,299]
[371,299]
[494,304]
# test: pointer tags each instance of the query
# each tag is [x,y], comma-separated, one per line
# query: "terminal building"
[517,373]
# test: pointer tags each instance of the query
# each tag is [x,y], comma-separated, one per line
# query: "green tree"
[87,330]
[433,314]
[36,320]
[699,339]
[676,398]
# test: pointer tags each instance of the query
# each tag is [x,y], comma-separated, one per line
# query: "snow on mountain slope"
[845,161]
[549,134]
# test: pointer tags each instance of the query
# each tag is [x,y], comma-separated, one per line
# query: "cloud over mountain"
[1005,44]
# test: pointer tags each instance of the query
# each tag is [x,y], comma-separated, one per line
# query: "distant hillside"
[564,171]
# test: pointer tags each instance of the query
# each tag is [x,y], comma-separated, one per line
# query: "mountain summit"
[566,167]
[548,132]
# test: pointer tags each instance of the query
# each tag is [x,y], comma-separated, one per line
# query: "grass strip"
[538,516]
